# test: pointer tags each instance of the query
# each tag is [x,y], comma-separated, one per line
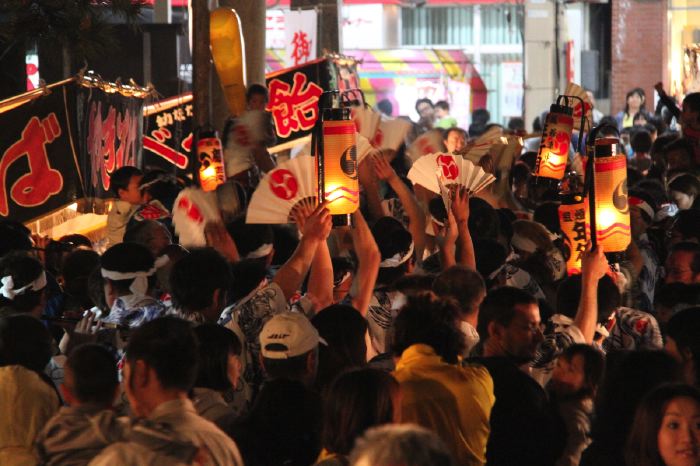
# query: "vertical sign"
[512,89]
[300,37]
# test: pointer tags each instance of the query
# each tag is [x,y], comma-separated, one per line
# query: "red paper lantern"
[554,146]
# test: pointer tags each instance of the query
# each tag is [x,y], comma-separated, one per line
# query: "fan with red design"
[429,142]
[476,149]
[586,110]
[381,134]
[451,170]
[192,209]
[293,184]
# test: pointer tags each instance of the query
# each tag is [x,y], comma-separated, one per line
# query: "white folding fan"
[364,148]
[451,170]
[577,91]
[482,145]
[291,185]
[391,134]
[192,209]
[429,142]
[366,121]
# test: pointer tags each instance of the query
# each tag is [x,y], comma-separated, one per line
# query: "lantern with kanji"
[211,162]
[554,146]
[574,224]
[337,164]
[608,204]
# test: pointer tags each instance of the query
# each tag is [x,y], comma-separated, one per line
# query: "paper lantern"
[211,162]
[574,224]
[228,52]
[609,208]
[554,147]
[337,164]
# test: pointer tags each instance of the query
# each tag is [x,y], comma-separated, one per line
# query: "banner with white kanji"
[300,37]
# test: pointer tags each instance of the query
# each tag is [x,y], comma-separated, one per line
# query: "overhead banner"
[110,128]
[300,36]
[39,170]
[294,96]
[167,134]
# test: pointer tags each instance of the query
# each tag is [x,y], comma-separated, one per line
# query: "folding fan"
[382,134]
[366,121]
[577,91]
[247,131]
[192,209]
[482,145]
[364,148]
[451,170]
[429,142]
[291,185]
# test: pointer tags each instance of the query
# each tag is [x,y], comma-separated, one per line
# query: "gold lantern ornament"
[211,163]
[337,165]
[608,203]
[556,138]
[575,227]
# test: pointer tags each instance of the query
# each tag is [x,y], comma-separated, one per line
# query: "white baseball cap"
[288,335]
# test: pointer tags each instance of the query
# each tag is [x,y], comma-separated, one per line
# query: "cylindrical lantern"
[228,52]
[554,146]
[211,162]
[338,182]
[574,224]
[609,209]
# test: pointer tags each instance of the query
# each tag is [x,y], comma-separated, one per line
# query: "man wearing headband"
[22,285]
[128,270]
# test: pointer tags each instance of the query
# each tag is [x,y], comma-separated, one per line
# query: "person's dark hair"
[385,107]
[216,343]
[693,248]
[341,266]
[547,214]
[481,116]
[641,141]
[680,144]
[687,224]
[483,219]
[528,159]
[256,89]
[195,278]
[357,400]
[169,346]
[639,115]
[77,267]
[430,321]
[499,306]
[14,236]
[490,255]
[692,100]
[424,101]
[413,284]
[686,183]
[516,124]
[249,237]
[161,186]
[120,178]
[144,232]
[684,328]
[593,365]
[608,120]
[294,368]
[443,105]
[627,378]
[640,92]
[642,446]
[128,257]
[569,295]
[455,129]
[343,328]
[246,275]
[23,269]
[94,371]
[24,341]
[392,239]
[649,199]
[56,251]
[462,284]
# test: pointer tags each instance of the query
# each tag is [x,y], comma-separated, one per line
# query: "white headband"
[8,286]
[262,251]
[139,286]
[397,259]
[523,244]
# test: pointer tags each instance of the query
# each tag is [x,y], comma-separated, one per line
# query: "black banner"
[294,95]
[110,128]
[39,170]
[167,134]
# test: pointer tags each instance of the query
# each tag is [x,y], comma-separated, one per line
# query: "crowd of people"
[413,337]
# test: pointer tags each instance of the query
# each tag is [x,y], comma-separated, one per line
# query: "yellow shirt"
[454,402]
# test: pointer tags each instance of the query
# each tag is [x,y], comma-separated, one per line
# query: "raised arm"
[594,266]
[465,246]
[316,229]
[320,284]
[416,216]
[368,263]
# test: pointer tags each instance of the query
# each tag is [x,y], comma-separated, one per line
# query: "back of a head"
[500,306]
[569,295]
[195,278]
[169,346]
[461,284]
[516,124]
[490,256]
[14,236]
[395,245]
[429,321]
[641,141]
[77,267]
[684,329]
[547,214]
[356,400]
[401,444]
[483,219]
[23,281]
[385,107]
[687,225]
[149,233]
[246,274]
[250,238]
[93,370]
[481,116]
[286,341]
[256,89]
[692,101]
[216,343]
[126,258]
[24,341]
